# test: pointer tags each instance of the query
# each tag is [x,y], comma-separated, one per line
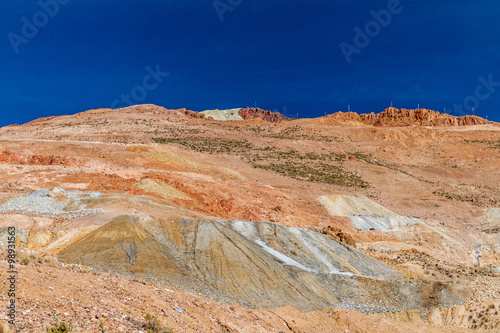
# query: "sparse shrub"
[60,327]
[25,258]
[153,325]
[51,263]
[318,168]
[209,145]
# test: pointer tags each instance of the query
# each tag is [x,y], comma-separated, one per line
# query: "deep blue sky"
[283,55]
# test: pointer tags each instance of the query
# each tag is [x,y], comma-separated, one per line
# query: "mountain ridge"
[390,117]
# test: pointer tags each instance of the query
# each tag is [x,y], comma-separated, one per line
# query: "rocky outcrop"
[192,114]
[338,235]
[35,159]
[407,117]
[7,156]
[237,114]
[222,115]
[364,213]
[38,239]
[267,115]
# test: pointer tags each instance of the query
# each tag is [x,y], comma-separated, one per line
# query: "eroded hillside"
[352,211]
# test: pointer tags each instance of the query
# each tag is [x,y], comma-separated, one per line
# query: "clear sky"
[307,57]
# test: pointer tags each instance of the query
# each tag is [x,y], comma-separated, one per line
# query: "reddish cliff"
[251,113]
[404,117]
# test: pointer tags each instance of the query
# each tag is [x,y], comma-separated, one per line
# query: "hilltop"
[391,117]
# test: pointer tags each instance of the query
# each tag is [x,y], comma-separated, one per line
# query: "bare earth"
[147,210]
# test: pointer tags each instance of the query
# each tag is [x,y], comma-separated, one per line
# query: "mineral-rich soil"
[239,225]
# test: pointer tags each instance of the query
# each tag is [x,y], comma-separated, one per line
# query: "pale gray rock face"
[364,213]
[55,203]
[223,115]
